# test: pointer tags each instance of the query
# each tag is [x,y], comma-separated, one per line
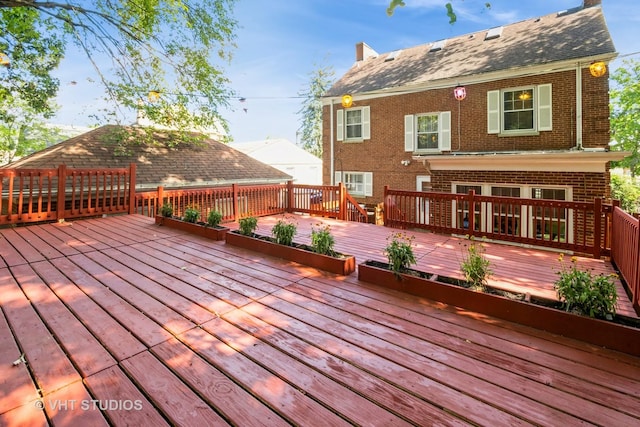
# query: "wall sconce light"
[153,96]
[598,69]
[347,101]
[405,162]
[460,92]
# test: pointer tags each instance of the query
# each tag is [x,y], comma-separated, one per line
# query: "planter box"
[603,333]
[200,229]
[344,265]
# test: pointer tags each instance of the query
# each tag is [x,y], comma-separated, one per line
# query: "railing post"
[597,227]
[385,206]
[132,188]
[472,212]
[62,184]
[290,197]
[235,195]
[160,200]
[343,202]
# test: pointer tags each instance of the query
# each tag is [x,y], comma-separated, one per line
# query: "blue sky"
[281,42]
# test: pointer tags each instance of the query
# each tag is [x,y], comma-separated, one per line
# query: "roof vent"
[569,11]
[439,45]
[393,55]
[494,33]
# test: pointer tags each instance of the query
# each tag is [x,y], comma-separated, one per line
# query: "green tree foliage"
[311,129]
[451,14]
[626,190]
[174,47]
[625,113]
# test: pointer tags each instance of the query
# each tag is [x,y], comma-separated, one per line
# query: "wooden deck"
[122,322]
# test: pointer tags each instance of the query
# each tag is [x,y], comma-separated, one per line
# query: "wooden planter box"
[595,331]
[343,265]
[200,229]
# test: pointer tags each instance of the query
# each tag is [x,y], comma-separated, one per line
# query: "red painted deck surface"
[123,322]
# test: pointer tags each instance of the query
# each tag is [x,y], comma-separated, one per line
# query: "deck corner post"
[132,188]
[343,201]
[160,198]
[472,213]
[235,195]
[597,227]
[290,197]
[385,206]
[62,184]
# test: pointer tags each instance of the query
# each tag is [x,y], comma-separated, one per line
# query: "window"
[550,223]
[524,110]
[427,132]
[352,125]
[356,183]
[506,216]
[463,215]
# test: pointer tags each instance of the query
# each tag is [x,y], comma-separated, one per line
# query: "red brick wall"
[383,153]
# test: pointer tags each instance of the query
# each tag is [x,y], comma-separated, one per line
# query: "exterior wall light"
[598,69]
[460,93]
[347,101]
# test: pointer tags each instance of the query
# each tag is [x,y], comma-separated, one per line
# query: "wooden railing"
[238,201]
[33,195]
[625,252]
[581,227]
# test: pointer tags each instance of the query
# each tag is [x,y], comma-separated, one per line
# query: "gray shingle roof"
[578,34]
[205,163]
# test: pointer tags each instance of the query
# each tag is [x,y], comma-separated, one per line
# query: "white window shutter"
[493,111]
[368,183]
[444,124]
[408,132]
[337,178]
[545,119]
[366,122]
[340,125]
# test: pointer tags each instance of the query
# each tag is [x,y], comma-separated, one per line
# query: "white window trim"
[367,182]
[341,125]
[411,135]
[542,111]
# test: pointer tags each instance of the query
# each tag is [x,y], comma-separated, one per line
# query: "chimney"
[591,3]
[364,52]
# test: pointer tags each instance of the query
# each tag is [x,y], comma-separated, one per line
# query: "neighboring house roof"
[187,164]
[575,34]
[277,152]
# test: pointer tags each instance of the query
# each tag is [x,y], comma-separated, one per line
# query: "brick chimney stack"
[591,3]
[363,52]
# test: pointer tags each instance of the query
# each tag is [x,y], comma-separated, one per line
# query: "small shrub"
[214,218]
[166,210]
[322,241]
[585,294]
[284,231]
[191,214]
[475,266]
[248,225]
[399,252]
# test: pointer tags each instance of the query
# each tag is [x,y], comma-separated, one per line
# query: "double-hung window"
[519,111]
[356,183]
[427,132]
[353,124]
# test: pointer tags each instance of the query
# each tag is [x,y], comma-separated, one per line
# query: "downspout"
[579,107]
[331,164]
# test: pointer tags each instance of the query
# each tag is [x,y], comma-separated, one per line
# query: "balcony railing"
[33,195]
[581,227]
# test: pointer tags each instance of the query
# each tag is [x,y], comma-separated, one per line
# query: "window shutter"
[445,131]
[545,121]
[340,125]
[337,178]
[493,111]
[368,183]
[366,122]
[408,133]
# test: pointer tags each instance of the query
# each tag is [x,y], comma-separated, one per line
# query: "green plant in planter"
[166,210]
[214,219]
[322,241]
[399,252]
[248,225]
[475,266]
[191,214]
[585,294]
[284,231]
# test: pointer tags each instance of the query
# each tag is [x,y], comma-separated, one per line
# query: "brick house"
[534,122]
